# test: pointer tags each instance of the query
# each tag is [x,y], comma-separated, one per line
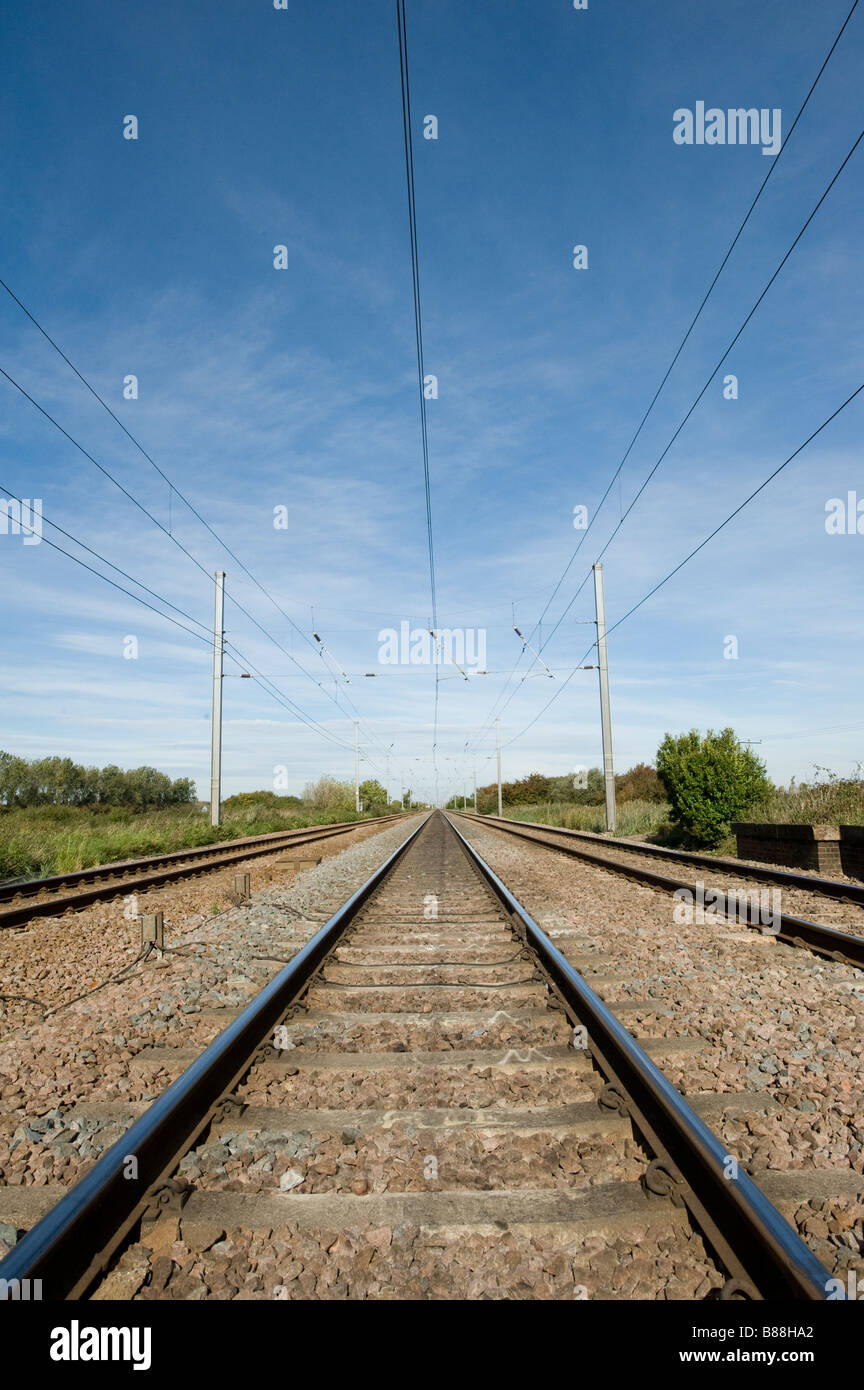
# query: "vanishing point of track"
[431,950]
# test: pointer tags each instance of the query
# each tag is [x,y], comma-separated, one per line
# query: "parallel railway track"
[430,1063]
[840,889]
[48,897]
[794,930]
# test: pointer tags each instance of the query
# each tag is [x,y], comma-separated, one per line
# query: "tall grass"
[828,800]
[832,800]
[42,840]
[634,817]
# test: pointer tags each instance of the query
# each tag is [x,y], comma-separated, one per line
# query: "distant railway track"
[433,948]
[795,931]
[766,873]
[48,897]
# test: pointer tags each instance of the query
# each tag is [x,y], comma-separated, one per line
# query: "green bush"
[710,782]
[270,801]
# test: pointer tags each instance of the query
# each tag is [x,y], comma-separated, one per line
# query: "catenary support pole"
[498,747]
[605,712]
[216,731]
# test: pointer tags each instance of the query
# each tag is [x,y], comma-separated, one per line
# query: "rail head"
[69,1247]
[787,878]
[742,1223]
[795,931]
[278,838]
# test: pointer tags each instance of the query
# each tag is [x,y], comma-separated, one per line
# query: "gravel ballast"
[770,1019]
[87,1050]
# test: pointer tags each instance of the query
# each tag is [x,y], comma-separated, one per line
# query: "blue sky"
[261,388]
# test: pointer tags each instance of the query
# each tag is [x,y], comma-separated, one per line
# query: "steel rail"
[787,878]
[749,1234]
[795,931]
[187,864]
[69,1247]
[16,887]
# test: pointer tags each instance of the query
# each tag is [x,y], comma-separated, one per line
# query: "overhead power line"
[175,490]
[694,551]
[739,508]
[689,412]
[205,636]
[166,532]
[772,166]
[108,580]
[7,492]
[711,376]
[418,320]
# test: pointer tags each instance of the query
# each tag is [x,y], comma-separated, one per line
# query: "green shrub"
[270,801]
[710,782]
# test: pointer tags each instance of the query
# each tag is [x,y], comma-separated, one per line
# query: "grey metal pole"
[475,787]
[498,745]
[357,765]
[605,712]
[216,730]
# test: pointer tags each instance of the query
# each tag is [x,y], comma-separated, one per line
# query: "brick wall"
[852,850]
[796,846]
[827,849]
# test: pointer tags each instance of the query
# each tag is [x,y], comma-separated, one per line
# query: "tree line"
[585,788]
[709,780]
[62,782]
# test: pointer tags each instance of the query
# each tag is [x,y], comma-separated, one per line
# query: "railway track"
[734,902]
[431,1100]
[843,891]
[72,892]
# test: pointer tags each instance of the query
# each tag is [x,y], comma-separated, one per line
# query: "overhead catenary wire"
[205,636]
[174,489]
[96,554]
[739,508]
[418,323]
[695,551]
[690,409]
[712,375]
[616,475]
[156,522]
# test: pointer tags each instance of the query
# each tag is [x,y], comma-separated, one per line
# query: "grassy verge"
[833,801]
[46,840]
[634,817]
